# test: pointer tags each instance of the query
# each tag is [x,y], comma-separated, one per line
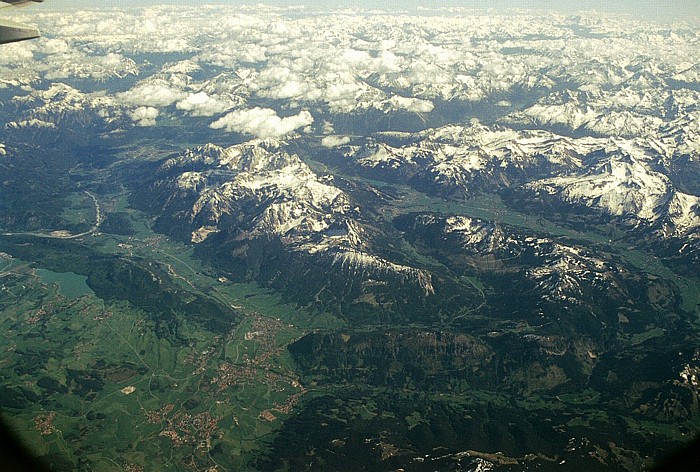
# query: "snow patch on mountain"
[681,137]
[467,159]
[623,184]
[280,193]
[567,270]
[33,123]
[484,236]
[258,190]
[368,266]
[61,101]
[561,272]
[627,113]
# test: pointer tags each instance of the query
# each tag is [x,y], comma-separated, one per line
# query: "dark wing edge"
[12,32]
[20,2]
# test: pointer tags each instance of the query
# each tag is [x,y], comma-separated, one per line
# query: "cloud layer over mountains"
[268,71]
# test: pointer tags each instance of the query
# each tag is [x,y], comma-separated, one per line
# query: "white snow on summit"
[624,185]
[272,193]
[289,198]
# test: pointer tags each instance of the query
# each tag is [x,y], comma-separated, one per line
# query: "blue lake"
[69,284]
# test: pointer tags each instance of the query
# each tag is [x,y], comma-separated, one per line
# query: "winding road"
[63,234]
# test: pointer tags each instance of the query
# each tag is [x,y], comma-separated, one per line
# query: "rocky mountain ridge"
[257,191]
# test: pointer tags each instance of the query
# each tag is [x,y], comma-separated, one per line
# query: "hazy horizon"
[662,10]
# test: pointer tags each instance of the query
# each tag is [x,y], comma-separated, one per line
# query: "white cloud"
[343,61]
[151,95]
[334,141]
[15,53]
[415,105]
[145,116]
[291,89]
[55,46]
[342,95]
[201,104]
[262,122]
[354,57]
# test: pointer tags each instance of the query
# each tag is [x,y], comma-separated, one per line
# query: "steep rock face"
[355,263]
[578,286]
[558,269]
[678,148]
[431,359]
[623,185]
[61,104]
[231,200]
[474,235]
[266,190]
[595,114]
[466,160]
[683,134]
[647,182]
[567,272]
[562,273]
[646,185]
